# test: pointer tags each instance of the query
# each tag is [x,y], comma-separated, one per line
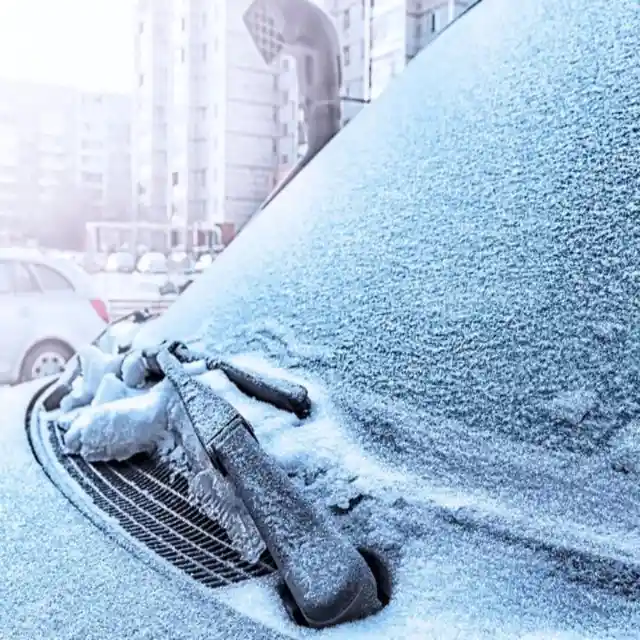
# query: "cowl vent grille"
[151,504]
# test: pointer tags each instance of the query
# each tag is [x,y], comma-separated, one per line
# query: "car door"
[58,296]
[17,301]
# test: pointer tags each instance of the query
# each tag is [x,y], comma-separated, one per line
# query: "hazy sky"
[82,43]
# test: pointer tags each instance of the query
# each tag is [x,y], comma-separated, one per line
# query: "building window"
[202,113]
[285,64]
[183,24]
[285,97]
[285,158]
[433,22]
[274,145]
[418,30]
[92,178]
[175,178]
[140,27]
[346,19]
[183,55]
[141,79]
[201,177]
[362,49]
[204,51]
[275,114]
[346,55]
[364,8]
[275,80]
[204,19]
[285,129]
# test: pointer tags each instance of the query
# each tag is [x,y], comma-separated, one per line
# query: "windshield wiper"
[282,394]
[329,580]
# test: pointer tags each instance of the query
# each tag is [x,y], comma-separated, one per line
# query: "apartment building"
[150,113]
[292,142]
[379,38]
[64,159]
[208,115]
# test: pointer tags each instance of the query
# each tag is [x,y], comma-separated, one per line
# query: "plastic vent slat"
[152,505]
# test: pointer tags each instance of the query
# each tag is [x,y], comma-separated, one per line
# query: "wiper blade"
[285,395]
[282,394]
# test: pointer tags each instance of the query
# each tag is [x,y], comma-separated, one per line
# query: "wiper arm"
[329,580]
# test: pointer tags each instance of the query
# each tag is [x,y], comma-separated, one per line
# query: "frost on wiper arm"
[115,406]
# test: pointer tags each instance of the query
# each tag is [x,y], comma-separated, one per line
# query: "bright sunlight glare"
[86,44]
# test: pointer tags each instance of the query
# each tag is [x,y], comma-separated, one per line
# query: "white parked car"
[49,310]
[153,262]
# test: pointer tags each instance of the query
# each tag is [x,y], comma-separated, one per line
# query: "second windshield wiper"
[282,394]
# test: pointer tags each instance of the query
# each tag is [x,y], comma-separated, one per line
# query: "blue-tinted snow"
[459,270]
[507,158]
[65,579]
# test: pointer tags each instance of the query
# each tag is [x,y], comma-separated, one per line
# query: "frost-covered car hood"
[64,578]
[455,279]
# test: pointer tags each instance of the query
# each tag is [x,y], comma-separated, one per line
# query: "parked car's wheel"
[45,359]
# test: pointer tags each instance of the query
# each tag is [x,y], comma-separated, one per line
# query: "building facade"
[150,113]
[65,158]
[379,38]
[207,116]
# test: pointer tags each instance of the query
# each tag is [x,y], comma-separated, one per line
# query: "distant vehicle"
[94,262]
[204,261]
[121,262]
[49,309]
[181,261]
[153,262]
